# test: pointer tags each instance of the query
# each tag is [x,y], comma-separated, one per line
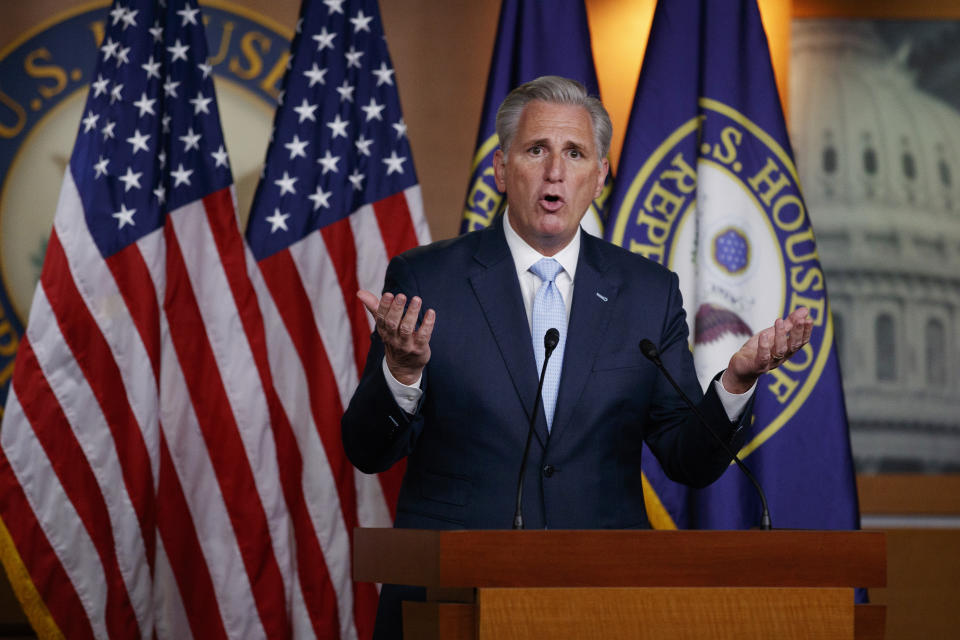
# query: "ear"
[601,178]
[500,170]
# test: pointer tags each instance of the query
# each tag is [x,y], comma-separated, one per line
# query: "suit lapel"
[498,292]
[594,299]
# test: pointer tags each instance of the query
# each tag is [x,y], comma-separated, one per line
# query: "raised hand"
[406,348]
[767,350]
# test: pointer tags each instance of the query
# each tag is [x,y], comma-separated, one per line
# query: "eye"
[576,153]
[536,150]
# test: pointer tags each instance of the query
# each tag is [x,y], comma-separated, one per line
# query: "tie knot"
[546,269]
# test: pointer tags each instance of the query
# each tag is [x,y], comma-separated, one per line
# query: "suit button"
[548,470]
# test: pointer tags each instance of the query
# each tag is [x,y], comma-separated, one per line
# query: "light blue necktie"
[549,311]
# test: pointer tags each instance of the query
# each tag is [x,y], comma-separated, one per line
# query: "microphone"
[550,341]
[651,353]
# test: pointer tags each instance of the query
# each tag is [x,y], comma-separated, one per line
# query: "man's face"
[550,174]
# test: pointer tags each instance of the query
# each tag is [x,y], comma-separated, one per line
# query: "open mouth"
[551,202]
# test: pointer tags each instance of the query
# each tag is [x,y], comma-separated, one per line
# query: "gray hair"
[555,90]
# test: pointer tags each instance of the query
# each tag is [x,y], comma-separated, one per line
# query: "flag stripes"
[319,599]
[181,548]
[341,247]
[218,421]
[47,573]
[99,369]
[283,279]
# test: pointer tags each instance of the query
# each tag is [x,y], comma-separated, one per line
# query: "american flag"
[338,199]
[149,478]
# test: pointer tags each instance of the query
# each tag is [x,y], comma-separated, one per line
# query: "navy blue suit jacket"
[465,442]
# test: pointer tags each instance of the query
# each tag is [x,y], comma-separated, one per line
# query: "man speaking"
[453,388]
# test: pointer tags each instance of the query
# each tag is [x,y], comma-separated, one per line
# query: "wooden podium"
[501,585]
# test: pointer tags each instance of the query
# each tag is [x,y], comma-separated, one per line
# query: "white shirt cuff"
[407,396]
[733,403]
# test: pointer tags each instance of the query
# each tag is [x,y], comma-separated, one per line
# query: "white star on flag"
[320,198]
[100,86]
[130,18]
[346,91]
[363,145]
[200,104]
[329,162]
[109,48]
[145,105]
[297,147]
[191,140]
[324,39]
[315,74]
[178,51]
[170,88]
[353,57]
[278,220]
[384,75]
[334,6]
[124,216]
[356,179]
[220,157]
[373,110]
[306,111]
[181,176]
[394,163]
[152,68]
[189,16]
[286,184]
[338,126]
[361,22]
[138,141]
[100,168]
[130,179]
[90,122]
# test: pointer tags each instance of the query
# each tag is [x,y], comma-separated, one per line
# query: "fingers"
[764,347]
[409,321]
[391,311]
[791,334]
[426,328]
[780,344]
[398,325]
[406,348]
[370,301]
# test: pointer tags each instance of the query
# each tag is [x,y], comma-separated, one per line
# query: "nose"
[554,168]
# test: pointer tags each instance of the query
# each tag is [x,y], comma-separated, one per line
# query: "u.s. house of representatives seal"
[44,77]
[719,203]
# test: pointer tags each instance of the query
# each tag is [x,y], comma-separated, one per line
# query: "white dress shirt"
[524,256]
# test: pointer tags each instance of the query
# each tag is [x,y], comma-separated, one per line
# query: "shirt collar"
[525,256]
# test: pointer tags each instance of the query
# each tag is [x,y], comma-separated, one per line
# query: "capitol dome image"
[879,161]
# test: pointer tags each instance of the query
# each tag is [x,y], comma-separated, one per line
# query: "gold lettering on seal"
[249,45]
[666,199]
[12,131]
[483,201]
[35,70]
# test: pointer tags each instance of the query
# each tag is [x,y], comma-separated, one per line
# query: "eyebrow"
[567,144]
